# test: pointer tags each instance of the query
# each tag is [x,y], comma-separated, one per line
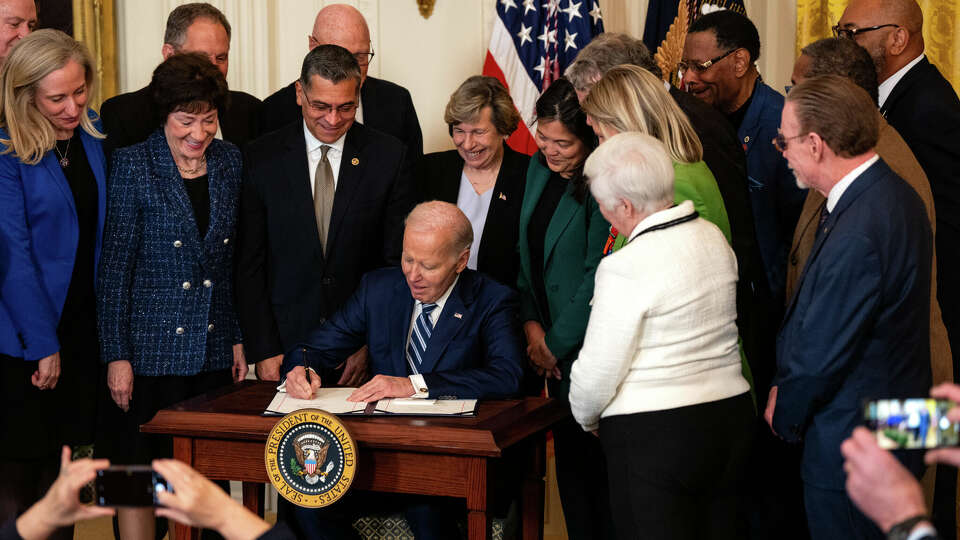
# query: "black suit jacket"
[757,313]
[924,109]
[386,107]
[286,286]
[438,178]
[130,118]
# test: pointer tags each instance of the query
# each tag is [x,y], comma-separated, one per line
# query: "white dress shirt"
[888,85]
[837,190]
[475,207]
[419,385]
[314,153]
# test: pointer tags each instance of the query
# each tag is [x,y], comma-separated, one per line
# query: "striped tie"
[419,337]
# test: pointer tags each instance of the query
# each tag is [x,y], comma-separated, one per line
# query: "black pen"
[306,369]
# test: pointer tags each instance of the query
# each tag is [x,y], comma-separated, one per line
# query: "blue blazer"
[38,244]
[774,196]
[475,352]
[165,297]
[858,325]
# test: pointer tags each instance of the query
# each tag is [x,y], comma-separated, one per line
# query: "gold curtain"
[93,24]
[940,21]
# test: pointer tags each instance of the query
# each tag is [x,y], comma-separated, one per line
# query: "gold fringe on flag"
[670,52]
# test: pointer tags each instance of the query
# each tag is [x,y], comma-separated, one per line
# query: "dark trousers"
[676,474]
[582,482]
[430,518]
[832,515]
[773,498]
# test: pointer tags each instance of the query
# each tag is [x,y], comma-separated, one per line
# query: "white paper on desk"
[334,401]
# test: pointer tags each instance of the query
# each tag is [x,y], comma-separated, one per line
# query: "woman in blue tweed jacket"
[168,327]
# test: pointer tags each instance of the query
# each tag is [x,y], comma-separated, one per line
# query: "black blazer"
[757,313]
[285,285]
[130,118]
[386,107]
[438,178]
[924,109]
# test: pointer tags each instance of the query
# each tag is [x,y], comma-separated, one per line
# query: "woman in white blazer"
[658,377]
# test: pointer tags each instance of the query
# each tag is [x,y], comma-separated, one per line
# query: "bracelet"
[902,530]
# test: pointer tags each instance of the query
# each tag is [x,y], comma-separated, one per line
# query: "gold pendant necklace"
[64,162]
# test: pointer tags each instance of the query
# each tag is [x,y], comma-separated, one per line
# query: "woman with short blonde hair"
[52,212]
[629,98]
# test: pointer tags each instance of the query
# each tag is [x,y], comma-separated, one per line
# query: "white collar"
[443,297]
[887,86]
[833,197]
[313,143]
[678,211]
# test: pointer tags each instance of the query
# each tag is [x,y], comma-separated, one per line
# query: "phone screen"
[911,423]
[128,485]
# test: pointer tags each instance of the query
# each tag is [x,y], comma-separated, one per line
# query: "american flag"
[533,42]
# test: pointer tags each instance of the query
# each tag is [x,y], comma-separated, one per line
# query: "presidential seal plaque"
[311,458]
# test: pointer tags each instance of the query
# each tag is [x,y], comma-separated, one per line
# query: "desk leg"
[477,499]
[253,497]
[531,507]
[183,451]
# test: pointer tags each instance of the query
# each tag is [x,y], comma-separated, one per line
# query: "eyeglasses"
[780,142]
[851,33]
[700,67]
[363,58]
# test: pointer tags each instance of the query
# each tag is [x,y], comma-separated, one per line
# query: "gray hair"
[831,56]
[634,167]
[605,51]
[183,16]
[442,216]
[332,63]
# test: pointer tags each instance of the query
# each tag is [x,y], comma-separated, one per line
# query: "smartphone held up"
[129,485]
[914,423]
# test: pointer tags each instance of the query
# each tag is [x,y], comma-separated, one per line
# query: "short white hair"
[634,167]
[441,216]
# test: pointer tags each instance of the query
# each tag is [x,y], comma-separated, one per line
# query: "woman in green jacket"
[630,98]
[560,243]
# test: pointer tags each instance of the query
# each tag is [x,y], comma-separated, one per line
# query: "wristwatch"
[902,530]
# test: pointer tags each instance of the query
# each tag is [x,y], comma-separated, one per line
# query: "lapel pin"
[502,196]
[458,315]
[354,161]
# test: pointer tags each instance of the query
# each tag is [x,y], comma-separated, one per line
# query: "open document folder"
[334,401]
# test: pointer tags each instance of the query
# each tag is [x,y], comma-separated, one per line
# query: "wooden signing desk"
[222,435]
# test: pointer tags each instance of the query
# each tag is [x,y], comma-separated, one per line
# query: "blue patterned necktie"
[824,214]
[420,337]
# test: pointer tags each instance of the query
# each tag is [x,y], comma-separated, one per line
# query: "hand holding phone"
[198,502]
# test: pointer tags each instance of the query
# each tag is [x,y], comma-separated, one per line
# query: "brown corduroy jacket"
[894,151]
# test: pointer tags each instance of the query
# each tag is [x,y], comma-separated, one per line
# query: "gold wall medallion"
[426,7]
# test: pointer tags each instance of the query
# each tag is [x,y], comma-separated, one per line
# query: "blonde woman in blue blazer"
[52,207]
[168,326]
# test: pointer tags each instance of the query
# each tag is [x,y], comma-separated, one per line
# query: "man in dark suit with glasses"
[384,106]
